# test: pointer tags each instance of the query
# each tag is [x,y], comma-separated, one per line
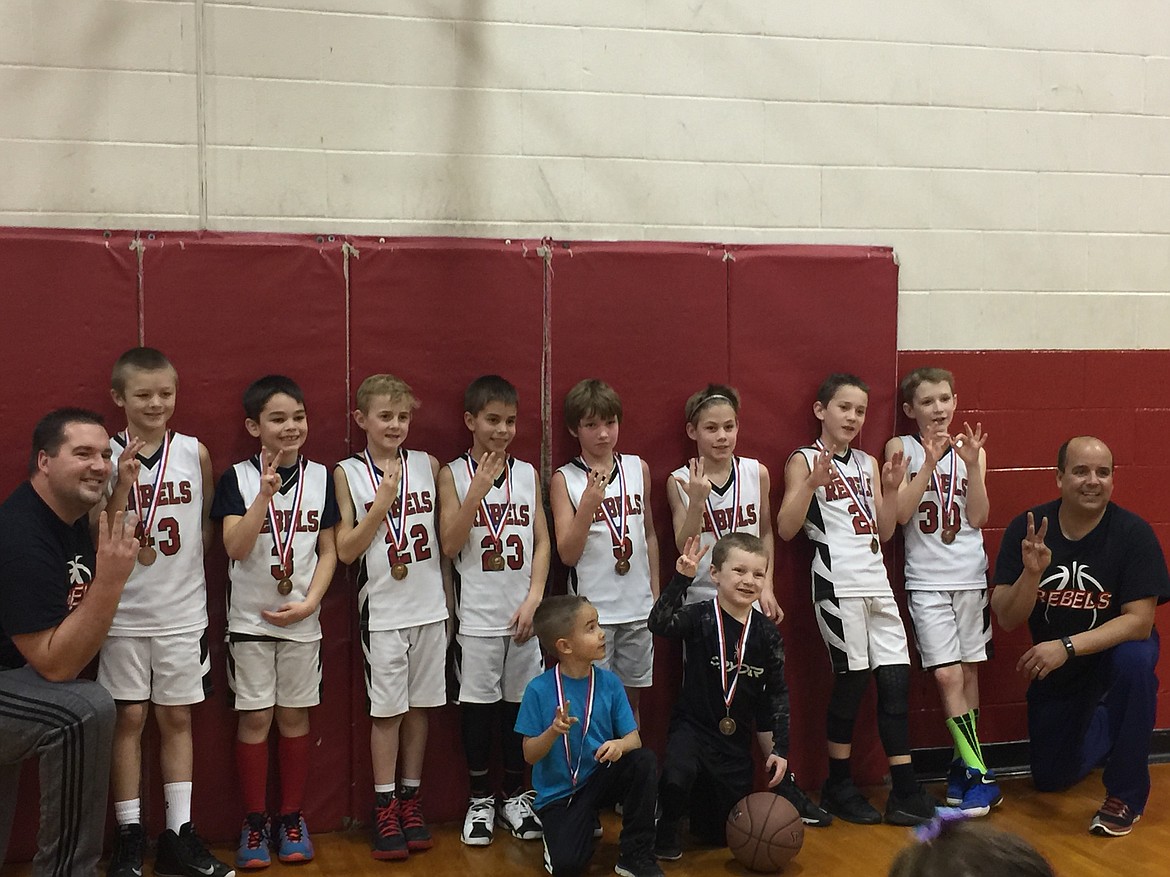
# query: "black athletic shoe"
[845,800]
[126,859]
[186,855]
[668,841]
[630,868]
[913,809]
[810,813]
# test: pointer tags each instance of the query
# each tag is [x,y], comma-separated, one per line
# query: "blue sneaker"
[293,843]
[254,843]
[956,783]
[982,794]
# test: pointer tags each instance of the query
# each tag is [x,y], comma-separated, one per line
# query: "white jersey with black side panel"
[386,603]
[932,564]
[844,563]
[170,595]
[486,598]
[730,519]
[618,598]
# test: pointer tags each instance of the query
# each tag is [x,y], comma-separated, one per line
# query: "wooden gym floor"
[1055,824]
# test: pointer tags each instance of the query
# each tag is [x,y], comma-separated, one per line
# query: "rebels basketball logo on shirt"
[613,505]
[513,514]
[730,520]
[417,503]
[1073,588]
[307,521]
[80,577]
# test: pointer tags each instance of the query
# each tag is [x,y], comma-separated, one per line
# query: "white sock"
[411,784]
[383,788]
[128,812]
[178,799]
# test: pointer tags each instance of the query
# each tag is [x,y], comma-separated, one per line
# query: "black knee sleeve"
[848,689]
[478,724]
[893,696]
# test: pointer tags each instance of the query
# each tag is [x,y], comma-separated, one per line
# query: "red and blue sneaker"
[292,838]
[254,843]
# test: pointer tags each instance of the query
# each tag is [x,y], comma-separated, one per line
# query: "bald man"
[1086,575]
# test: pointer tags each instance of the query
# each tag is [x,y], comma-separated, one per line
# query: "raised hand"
[562,721]
[129,466]
[693,551]
[894,472]
[1035,554]
[117,548]
[934,446]
[388,489]
[270,480]
[594,491]
[970,443]
[490,466]
[698,486]
[820,474]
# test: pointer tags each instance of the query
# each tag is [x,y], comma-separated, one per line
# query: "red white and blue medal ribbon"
[574,770]
[146,512]
[496,528]
[859,500]
[719,531]
[397,533]
[948,499]
[728,689]
[618,529]
[283,541]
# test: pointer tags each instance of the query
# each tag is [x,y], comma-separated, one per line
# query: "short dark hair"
[554,618]
[487,389]
[148,359]
[835,382]
[1062,451]
[591,397]
[712,394]
[925,375]
[970,849]
[743,541]
[49,433]
[263,389]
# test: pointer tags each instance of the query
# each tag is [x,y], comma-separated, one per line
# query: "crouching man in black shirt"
[1086,575]
[57,599]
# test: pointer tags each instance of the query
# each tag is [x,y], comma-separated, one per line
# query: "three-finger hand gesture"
[894,472]
[820,474]
[490,466]
[117,547]
[698,486]
[594,492]
[688,561]
[970,443]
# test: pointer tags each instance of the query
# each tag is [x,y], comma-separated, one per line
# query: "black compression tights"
[848,689]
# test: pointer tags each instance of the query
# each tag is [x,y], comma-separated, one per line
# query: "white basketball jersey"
[844,563]
[386,603]
[170,595]
[618,598]
[253,580]
[487,598]
[728,518]
[931,564]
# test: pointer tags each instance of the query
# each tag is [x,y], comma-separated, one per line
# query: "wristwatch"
[1068,646]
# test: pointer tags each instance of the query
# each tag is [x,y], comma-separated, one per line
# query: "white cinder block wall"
[1016,155]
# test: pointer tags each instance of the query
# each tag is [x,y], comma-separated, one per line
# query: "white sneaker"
[479,823]
[516,815]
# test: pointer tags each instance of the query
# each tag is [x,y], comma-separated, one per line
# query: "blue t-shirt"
[612,719]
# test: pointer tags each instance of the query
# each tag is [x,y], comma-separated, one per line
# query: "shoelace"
[482,807]
[411,812]
[387,819]
[255,836]
[292,827]
[1115,807]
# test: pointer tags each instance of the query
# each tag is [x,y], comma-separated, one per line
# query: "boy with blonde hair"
[278,512]
[605,532]
[156,652]
[389,507]
[492,525]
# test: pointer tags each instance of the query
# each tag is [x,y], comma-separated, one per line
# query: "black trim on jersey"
[822,587]
[499,482]
[151,461]
[205,662]
[814,517]
[838,658]
[580,464]
[289,475]
[723,488]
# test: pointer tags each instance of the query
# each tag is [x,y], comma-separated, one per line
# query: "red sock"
[252,766]
[294,772]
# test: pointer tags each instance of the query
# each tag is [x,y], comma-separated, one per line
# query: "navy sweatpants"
[1107,720]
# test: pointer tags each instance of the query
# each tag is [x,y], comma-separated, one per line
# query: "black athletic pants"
[722,771]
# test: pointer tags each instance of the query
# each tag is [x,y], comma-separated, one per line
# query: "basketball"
[764,832]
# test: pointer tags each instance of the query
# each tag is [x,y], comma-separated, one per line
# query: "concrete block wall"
[1016,156]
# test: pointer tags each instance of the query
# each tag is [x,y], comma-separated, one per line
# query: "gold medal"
[948,536]
[495,561]
[874,546]
[727,726]
[622,567]
[399,571]
[147,555]
[284,587]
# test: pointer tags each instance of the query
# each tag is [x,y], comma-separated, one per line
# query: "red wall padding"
[1030,402]
[656,320]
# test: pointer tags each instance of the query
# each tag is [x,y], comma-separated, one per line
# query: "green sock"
[973,716]
[966,745]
